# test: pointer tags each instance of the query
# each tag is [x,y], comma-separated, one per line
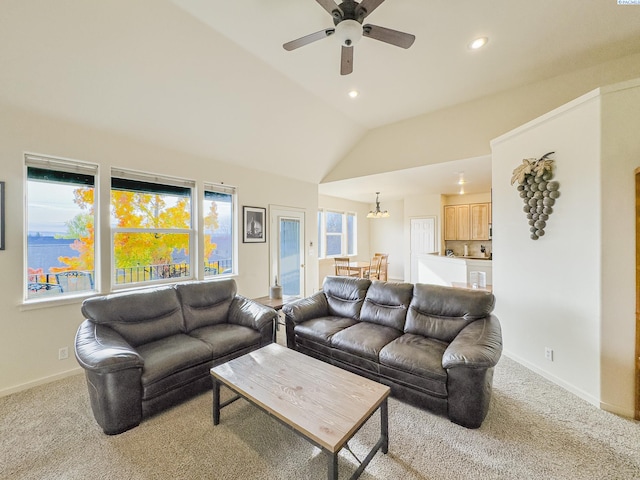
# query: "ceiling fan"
[348,18]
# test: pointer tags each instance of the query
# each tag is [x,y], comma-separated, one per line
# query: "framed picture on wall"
[254,224]
[1,215]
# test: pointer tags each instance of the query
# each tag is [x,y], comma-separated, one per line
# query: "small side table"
[276,304]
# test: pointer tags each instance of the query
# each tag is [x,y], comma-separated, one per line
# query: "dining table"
[361,268]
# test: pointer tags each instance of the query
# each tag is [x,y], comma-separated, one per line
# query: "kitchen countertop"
[461,257]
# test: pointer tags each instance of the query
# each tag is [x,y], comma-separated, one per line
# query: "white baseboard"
[552,378]
[615,409]
[40,381]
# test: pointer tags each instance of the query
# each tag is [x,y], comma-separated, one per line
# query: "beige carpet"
[534,430]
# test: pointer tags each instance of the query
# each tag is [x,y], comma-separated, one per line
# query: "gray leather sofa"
[146,350]
[435,346]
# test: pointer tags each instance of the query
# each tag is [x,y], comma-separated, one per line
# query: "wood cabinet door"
[479,221]
[450,223]
[462,212]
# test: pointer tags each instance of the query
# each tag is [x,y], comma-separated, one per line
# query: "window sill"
[35,304]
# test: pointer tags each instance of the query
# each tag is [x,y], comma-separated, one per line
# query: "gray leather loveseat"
[435,346]
[146,350]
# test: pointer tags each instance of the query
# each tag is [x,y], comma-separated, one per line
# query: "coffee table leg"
[216,402]
[332,472]
[384,426]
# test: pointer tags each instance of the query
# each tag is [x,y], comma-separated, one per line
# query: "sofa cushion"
[387,304]
[140,316]
[364,339]
[442,312]
[206,303]
[226,338]
[414,360]
[345,295]
[172,362]
[321,330]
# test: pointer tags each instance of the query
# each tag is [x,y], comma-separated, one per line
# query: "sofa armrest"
[305,309]
[470,360]
[114,370]
[101,349]
[478,345]
[249,313]
[301,310]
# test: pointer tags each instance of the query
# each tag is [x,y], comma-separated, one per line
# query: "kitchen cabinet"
[456,222]
[479,223]
[467,222]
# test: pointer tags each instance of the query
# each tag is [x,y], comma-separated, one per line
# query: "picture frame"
[1,215]
[254,224]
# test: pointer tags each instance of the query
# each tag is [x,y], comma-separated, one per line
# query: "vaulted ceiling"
[211,78]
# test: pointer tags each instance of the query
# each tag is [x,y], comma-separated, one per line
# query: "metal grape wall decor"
[538,191]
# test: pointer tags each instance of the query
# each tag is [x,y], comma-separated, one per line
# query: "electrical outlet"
[548,353]
[63,353]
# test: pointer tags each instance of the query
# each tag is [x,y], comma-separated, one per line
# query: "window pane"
[218,233]
[132,209]
[143,257]
[334,245]
[290,260]
[144,216]
[334,222]
[60,233]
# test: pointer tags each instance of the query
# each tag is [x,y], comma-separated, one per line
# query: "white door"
[423,240]
[287,249]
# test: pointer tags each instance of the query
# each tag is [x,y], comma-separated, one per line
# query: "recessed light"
[478,43]
[353,93]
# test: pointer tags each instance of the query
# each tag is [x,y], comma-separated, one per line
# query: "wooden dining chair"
[384,262]
[342,267]
[374,268]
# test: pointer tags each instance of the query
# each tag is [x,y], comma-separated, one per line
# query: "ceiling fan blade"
[393,37]
[366,7]
[331,7]
[346,62]
[307,39]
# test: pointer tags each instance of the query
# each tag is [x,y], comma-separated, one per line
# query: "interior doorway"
[637,362]
[423,241]
[287,249]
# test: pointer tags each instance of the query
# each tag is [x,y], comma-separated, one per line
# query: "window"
[152,225]
[219,229]
[337,233]
[60,227]
[151,228]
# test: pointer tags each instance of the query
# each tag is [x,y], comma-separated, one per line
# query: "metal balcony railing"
[83,280]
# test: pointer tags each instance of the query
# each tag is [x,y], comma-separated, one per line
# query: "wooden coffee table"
[323,403]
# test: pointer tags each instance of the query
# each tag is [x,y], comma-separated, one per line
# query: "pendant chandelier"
[378,213]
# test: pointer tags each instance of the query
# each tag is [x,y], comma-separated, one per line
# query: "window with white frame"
[337,232]
[60,223]
[219,229]
[152,235]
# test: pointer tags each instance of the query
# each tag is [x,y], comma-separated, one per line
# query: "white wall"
[620,157]
[572,290]
[30,337]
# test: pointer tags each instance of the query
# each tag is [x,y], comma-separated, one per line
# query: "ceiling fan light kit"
[348,32]
[348,18]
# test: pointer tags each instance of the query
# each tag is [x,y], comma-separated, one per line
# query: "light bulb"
[478,43]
